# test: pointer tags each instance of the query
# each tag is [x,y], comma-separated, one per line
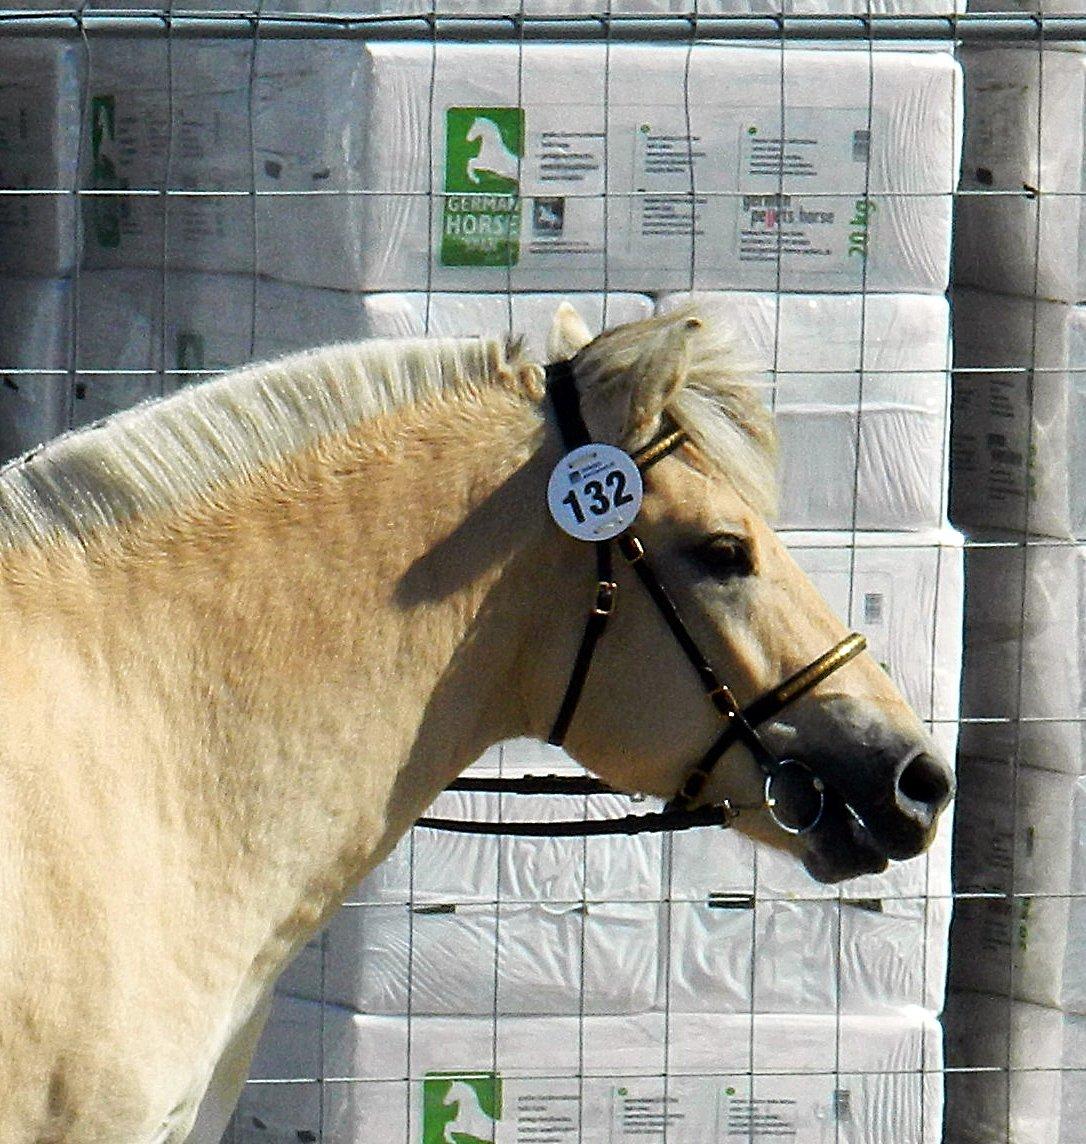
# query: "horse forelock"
[165,452]
[717,404]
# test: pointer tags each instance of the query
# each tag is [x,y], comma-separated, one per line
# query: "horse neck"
[302,663]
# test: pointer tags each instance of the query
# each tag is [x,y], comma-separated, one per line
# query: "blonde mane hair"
[169,451]
[166,451]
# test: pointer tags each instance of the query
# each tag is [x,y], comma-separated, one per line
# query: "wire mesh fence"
[184,190]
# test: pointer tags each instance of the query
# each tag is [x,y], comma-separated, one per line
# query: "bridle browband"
[789,778]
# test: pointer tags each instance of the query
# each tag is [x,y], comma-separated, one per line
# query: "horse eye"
[725,555]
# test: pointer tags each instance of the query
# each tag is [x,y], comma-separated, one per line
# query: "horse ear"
[568,334]
[660,373]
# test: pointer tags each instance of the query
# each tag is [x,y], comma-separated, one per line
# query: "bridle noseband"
[793,794]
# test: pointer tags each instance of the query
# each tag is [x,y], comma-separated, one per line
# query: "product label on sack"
[595,492]
[481,215]
[744,189]
[781,164]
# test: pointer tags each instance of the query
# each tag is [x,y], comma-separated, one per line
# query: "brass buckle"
[606,595]
[723,699]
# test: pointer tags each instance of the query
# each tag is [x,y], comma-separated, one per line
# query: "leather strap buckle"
[606,597]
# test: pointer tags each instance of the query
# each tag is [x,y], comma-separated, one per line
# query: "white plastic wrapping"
[1024,155]
[1019,424]
[530,315]
[861,1080]
[444,183]
[459,924]
[39,151]
[176,118]
[1024,683]
[1020,834]
[459,959]
[731,954]
[215,322]
[1024,1072]
[848,367]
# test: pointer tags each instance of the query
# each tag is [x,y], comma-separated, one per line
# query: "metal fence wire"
[184,190]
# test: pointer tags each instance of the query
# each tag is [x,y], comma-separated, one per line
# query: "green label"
[105,212]
[460,1108]
[480,224]
[860,227]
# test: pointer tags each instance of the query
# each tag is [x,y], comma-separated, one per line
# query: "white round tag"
[595,492]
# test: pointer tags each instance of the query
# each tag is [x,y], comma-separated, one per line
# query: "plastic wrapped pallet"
[846,368]
[34,325]
[474,167]
[732,954]
[1024,683]
[1023,232]
[39,151]
[869,1079]
[1019,834]
[1023,1077]
[455,923]
[1019,424]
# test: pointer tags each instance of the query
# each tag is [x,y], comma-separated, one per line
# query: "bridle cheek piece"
[793,794]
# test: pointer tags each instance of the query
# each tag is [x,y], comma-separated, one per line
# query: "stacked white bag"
[1017,484]
[39,153]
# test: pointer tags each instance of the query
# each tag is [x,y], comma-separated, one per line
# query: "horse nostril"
[927,782]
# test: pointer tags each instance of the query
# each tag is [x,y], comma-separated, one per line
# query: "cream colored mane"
[167,452]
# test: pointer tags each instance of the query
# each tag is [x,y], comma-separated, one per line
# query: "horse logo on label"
[484,147]
[461,1108]
[494,158]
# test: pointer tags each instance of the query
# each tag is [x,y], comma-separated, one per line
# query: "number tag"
[595,492]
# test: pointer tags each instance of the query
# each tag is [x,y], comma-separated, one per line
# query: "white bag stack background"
[614,988]
[1018,477]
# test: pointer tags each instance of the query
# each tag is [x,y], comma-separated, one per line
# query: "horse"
[494,158]
[471,1122]
[250,631]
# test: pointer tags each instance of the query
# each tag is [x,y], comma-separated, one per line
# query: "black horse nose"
[925,785]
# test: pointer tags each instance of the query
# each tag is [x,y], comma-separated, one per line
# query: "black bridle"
[792,793]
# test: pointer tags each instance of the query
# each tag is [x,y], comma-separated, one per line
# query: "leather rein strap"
[741,723]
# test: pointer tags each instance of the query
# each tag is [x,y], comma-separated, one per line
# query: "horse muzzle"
[884,793]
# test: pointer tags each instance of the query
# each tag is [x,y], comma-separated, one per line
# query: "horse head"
[643,718]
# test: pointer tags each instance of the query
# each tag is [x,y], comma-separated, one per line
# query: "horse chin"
[841,848]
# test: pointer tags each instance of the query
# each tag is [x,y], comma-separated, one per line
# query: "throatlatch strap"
[604,605]
[562,388]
